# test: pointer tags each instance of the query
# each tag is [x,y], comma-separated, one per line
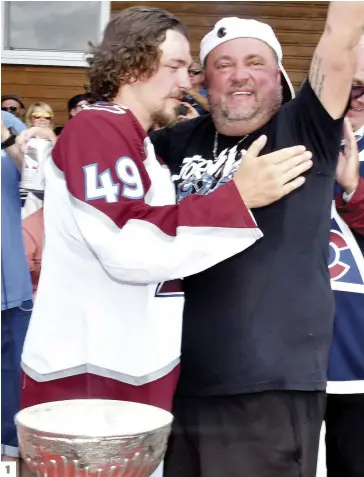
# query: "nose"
[240,73]
[184,79]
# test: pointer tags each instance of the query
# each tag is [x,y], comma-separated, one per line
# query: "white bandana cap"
[233,27]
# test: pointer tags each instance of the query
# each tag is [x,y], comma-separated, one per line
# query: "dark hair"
[130,49]
[73,102]
[15,97]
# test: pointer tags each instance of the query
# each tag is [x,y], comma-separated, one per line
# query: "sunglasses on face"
[357,91]
[194,72]
[9,109]
[42,116]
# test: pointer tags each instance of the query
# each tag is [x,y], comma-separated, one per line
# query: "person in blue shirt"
[16,287]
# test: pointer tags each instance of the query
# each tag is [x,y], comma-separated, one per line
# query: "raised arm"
[352,212]
[350,203]
[333,63]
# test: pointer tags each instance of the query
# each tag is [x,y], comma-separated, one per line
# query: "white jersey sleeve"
[123,201]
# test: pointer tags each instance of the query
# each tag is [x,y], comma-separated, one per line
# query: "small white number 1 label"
[8,469]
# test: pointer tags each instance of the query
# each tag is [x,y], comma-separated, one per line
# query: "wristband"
[348,197]
[10,141]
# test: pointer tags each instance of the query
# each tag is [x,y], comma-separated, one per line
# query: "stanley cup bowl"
[93,437]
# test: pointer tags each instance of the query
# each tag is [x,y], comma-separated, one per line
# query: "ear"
[279,76]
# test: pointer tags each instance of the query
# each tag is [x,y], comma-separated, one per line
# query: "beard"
[259,113]
[164,117]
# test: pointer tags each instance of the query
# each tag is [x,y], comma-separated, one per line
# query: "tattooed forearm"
[317,78]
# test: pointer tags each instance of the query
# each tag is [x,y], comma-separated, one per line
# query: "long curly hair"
[129,50]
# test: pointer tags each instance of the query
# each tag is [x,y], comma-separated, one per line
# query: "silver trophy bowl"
[93,437]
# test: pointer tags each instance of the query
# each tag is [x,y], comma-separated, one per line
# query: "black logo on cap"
[221,32]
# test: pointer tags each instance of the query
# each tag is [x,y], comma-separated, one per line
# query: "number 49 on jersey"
[102,186]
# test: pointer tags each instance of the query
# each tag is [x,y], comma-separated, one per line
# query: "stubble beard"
[163,118]
[256,115]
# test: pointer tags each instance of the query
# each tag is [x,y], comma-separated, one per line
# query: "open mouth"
[242,93]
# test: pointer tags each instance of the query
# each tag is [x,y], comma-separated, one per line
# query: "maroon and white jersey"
[113,237]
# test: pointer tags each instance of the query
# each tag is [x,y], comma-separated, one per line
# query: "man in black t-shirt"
[257,327]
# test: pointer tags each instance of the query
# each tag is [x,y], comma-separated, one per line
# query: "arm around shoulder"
[113,192]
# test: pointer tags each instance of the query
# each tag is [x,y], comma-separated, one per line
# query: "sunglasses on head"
[194,72]
[42,115]
[357,91]
[11,109]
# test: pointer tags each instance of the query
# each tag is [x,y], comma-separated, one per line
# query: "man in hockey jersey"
[345,400]
[105,324]
[257,327]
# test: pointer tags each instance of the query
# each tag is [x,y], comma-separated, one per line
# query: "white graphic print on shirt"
[202,176]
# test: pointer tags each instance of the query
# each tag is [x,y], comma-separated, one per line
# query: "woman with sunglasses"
[40,115]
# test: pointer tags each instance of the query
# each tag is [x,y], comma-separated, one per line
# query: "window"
[51,33]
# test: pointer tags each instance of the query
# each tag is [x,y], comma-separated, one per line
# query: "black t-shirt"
[263,319]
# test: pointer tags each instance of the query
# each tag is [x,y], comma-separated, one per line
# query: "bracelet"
[10,141]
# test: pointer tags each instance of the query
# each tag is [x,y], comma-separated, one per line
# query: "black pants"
[268,434]
[345,435]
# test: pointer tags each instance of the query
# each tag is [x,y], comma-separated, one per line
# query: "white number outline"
[99,184]
[130,192]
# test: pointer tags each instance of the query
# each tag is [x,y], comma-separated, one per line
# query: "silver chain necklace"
[216,143]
